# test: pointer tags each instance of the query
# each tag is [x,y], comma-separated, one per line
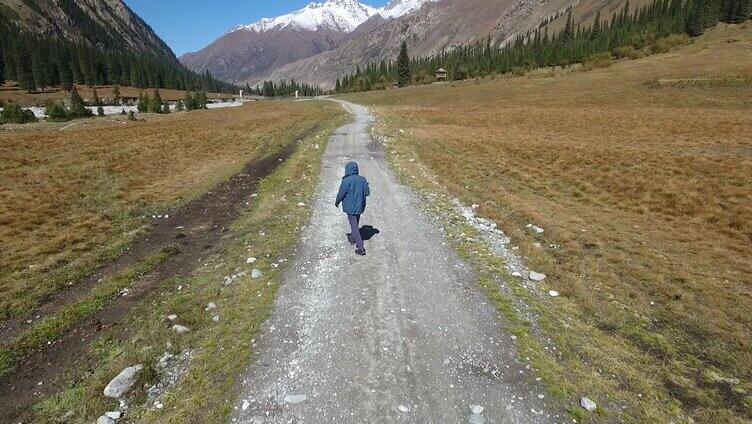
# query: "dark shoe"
[349,238]
[361,252]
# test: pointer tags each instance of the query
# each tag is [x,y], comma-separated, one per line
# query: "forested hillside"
[49,44]
[629,33]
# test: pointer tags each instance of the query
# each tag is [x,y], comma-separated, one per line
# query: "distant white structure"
[241,94]
[296,94]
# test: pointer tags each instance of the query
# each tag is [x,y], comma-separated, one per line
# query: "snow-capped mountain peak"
[342,15]
[397,8]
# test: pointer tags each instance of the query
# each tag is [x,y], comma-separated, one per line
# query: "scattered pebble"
[536,276]
[180,329]
[588,404]
[256,273]
[295,399]
[115,415]
[477,409]
[403,408]
[246,404]
[553,293]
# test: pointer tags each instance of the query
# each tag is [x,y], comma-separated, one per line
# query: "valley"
[556,218]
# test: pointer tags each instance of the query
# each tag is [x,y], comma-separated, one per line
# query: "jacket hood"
[351,169]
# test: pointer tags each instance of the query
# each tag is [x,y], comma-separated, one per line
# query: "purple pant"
[355,231]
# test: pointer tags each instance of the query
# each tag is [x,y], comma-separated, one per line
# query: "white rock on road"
[123,382]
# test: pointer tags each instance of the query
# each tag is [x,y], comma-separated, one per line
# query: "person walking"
[352,194]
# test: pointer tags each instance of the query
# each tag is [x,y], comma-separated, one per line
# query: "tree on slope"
[403,66]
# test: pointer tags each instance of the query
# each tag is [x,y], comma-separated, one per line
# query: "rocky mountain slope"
[107,23]
[317,48]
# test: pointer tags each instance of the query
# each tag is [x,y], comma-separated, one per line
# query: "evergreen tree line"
[641,29]
[36,62]
[284,89]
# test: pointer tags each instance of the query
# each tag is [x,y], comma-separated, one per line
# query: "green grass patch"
[51,327]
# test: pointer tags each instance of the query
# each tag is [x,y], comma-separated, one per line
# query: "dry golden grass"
[645,194]
[72,198]
[11,93]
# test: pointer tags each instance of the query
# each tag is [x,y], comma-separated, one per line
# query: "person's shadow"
[367,232]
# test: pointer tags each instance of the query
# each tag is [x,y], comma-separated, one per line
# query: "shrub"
[56,112]
[628,52]
[131,116]
[100,110]
[670,42]
[15,114]
[179,106]
[598,61]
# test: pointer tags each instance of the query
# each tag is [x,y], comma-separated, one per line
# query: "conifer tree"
[23,68]
[2,67]
[95,101]
[155,105]
[568,28]
[77,107]
[403,66]
[190,103]
[143,102]
[116,94]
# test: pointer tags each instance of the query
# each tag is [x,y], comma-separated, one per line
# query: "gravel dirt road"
[401,335]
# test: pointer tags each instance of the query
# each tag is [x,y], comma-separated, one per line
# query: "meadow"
[73,198]
[640,173]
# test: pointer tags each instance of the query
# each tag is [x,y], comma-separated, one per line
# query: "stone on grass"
[251,260]
[295,399]
[536,276]
[172,317]
[180,329]
[105,420]
[588,404]
[215,318]
[553,293]
[115,415]
[210,306]
[256,273]
[123,382]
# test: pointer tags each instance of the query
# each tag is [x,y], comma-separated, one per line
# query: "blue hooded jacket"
[353,191]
